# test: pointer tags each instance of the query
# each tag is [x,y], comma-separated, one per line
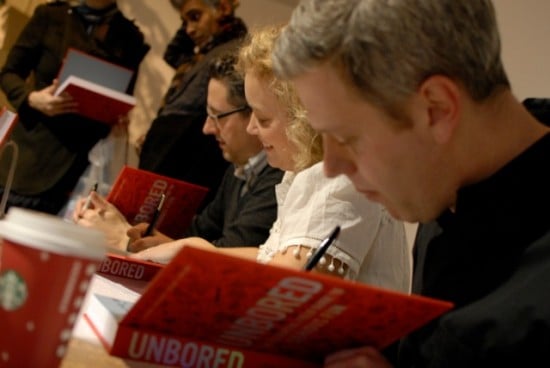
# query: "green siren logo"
[13,290]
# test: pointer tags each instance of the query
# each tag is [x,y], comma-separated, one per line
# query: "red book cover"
[233,305]
[8,119]
[98,86]
[95,101]
[130,268]
[136,193]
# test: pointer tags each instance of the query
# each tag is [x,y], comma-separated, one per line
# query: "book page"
[95,70]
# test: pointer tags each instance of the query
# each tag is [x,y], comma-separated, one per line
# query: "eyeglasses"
[216,117]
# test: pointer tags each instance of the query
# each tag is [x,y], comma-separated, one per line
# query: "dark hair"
[223,69]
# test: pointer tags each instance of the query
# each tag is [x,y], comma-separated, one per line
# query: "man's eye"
[194,16]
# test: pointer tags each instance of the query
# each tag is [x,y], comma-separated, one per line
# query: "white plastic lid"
[51,233]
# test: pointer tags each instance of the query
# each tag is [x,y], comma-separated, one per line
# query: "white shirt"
[371,243]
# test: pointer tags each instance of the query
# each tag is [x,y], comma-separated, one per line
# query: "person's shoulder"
[121,20]
[52,10]
[54,5]
[316,174]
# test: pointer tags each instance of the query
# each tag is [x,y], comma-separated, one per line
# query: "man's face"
[202,21]
[230,131]
[388,161]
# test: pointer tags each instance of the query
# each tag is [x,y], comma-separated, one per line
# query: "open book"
[209,308]
[136,194]
[98,86]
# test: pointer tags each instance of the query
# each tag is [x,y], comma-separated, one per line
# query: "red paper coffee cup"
[45,268]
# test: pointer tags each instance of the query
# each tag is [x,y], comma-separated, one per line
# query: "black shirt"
[479,259]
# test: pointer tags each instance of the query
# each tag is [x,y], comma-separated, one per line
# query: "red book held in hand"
[98,86]
[210,309]
[136,193]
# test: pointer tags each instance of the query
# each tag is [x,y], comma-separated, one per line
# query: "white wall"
[525,31]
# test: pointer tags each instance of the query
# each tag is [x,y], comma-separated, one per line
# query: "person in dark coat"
[53,141]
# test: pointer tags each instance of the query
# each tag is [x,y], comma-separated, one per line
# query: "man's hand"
[138,243]
[103,216]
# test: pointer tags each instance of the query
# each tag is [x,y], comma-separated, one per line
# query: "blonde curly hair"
[255,57]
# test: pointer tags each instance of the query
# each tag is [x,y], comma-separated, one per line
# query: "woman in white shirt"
[371,247]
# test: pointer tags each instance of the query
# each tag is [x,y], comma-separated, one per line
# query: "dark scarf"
[94,17]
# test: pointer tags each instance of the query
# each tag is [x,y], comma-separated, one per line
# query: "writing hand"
[103,216]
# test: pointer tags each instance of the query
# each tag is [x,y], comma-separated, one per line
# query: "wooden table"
[83,354]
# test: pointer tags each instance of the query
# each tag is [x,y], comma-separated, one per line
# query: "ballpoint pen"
[88,199]
[312,262]
[155,217]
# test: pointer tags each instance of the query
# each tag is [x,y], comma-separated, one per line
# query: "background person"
[53,141]
[174,144]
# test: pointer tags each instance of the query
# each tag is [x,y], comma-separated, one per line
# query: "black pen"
[155,217]
[88,199]
[312,262]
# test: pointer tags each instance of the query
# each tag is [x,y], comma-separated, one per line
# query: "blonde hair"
[255,57]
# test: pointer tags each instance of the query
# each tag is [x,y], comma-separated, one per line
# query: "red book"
[97,102]
[121,265]
[136,193]
[98,86]
[210,309]
[8,119]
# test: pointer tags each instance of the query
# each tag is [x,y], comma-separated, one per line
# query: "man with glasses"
[174,144]
[244,207]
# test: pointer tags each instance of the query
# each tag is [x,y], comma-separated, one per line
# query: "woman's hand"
[164,253]
[50,105]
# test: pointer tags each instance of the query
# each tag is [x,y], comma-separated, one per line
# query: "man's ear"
[441,96]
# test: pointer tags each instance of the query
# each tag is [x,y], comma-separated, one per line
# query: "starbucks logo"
[13,290]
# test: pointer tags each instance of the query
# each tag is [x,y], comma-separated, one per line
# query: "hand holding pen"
[88,200]
[321,250]
[155,218]
[131,246]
